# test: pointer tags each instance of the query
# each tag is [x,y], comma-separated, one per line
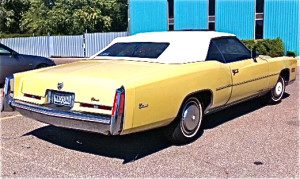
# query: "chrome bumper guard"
[104,124]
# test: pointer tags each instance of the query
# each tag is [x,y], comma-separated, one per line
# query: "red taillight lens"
[119,102]
[122,101]
[115,104]
[86,105]
[32,96]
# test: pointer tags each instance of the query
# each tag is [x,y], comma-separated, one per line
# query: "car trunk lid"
[94,81]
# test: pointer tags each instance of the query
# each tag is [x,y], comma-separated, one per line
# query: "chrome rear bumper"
[66,119]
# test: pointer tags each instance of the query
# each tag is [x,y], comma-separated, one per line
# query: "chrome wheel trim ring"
[191,118]
[278,90]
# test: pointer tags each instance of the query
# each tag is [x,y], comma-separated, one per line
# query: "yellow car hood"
[97,79]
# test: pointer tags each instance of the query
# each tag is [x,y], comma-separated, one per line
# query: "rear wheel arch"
[205,97]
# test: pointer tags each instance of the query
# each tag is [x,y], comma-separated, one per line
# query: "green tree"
[74,16]
[120,18]
[11,12]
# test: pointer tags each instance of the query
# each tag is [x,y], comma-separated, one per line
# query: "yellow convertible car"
[150,80]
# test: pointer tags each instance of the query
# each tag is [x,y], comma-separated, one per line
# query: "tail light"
[95,106]
[118,112]
[114,105]
[119,102]
[32,96]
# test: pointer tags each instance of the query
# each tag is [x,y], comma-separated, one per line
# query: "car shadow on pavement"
[132,147]
[128,147]
[235,111]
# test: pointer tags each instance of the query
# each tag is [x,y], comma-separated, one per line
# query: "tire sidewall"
[174,133]
[199,106]
[275,98]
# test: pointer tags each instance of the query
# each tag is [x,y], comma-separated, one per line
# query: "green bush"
[291,54]
[270,47]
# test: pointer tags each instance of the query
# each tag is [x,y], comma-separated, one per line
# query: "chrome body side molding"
[219,108]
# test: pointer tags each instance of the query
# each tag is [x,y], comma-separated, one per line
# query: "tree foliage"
[63,17]
[11,12]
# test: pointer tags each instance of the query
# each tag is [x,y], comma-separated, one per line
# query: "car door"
[249,76]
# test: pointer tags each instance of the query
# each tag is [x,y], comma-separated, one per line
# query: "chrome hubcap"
[191,119]
[278,89]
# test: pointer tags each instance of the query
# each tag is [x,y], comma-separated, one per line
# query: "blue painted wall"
[190,14]
[148,16]
[281,19]
[236,16]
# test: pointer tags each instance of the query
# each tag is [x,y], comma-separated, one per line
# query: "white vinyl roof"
[185,46]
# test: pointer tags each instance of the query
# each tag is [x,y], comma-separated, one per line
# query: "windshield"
[135,49]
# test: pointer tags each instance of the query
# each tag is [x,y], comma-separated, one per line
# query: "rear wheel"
[187,125]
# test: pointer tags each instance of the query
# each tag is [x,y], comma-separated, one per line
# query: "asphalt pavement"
[246,140]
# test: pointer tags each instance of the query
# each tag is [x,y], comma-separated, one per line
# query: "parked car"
[12,62]
[150,80]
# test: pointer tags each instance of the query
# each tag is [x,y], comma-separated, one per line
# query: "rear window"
[135,49]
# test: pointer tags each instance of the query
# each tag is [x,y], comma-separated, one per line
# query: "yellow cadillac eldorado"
[150,80]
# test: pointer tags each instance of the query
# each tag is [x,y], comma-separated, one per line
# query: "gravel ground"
[247,140]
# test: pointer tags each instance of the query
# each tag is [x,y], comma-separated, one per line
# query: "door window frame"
[212,43]
[228,37]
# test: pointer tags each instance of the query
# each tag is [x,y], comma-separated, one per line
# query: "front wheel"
[276,94]
[187,125]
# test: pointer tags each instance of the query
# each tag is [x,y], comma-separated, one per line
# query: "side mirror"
[254,55]
[291,54]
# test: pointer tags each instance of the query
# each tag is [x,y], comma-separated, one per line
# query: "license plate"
[61,99]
